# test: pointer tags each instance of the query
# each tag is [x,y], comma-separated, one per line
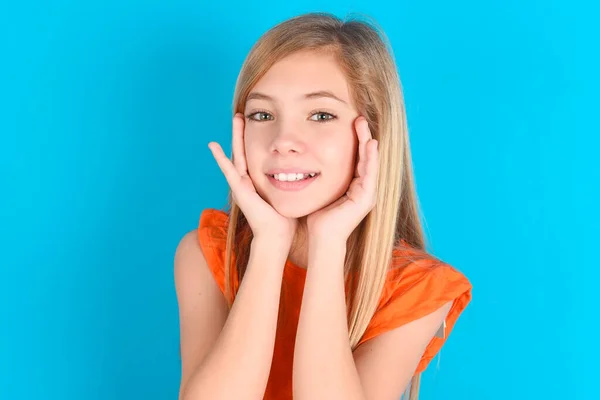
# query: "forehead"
[304,72]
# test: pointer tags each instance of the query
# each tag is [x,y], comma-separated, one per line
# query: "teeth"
[292,177]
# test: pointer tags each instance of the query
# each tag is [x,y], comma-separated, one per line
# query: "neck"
[299,250]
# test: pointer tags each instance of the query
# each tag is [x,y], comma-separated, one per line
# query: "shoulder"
[211,236]
[213,224]
[188,257]
[212,233]
[188,244]
[190,265]
[418,284]
[412,268]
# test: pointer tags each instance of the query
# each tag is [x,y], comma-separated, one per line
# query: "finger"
[227,167]
[372,166]
[237,146]
[364,135]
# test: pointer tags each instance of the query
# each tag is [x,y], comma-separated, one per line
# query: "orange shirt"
[412,290]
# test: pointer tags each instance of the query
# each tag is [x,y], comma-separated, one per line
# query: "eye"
[262,116]
[322,116]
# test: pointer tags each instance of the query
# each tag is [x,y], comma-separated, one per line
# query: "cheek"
[252,151]
[256,154]
[340,154]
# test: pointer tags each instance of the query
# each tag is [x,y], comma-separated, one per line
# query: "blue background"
[106,110]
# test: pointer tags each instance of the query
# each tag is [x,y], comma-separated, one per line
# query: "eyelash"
[332,116]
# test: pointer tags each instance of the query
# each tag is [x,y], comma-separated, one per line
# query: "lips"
[293,185]
[290,171]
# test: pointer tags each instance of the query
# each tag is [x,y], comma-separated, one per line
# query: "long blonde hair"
[364,54]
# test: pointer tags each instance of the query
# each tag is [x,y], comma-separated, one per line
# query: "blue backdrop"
[106,110]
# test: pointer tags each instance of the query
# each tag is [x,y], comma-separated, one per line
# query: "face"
[299,121]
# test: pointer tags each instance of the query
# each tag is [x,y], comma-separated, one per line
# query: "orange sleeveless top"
[417,284]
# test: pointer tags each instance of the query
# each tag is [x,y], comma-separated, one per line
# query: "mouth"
[293,181]
[293,177]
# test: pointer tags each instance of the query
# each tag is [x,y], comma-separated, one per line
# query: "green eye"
[322,116]
[262,116]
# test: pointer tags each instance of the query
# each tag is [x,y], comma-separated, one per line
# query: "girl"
[315,283]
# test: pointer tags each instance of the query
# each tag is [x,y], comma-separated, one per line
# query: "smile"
[292,182]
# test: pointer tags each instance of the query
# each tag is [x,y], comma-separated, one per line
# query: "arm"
[324,365]
[227,356]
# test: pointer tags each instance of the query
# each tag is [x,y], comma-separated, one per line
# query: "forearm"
[323,362]
[239,363]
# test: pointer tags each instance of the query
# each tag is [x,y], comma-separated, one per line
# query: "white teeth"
[292,177]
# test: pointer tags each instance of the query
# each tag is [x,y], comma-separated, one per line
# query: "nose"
[288,140]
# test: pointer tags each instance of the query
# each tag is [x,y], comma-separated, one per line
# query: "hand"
[339,219]
[263,219]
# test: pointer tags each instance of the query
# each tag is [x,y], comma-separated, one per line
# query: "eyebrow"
[312,95]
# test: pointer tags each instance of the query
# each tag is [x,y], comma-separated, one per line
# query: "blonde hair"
[365,56]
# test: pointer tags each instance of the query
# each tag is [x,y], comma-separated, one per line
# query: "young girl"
[315,283]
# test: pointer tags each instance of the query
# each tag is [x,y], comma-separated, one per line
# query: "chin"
[294,210]
[297,205]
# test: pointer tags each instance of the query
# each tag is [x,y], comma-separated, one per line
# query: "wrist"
[327,240]
[276,247]
[266,257]
[331,246]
